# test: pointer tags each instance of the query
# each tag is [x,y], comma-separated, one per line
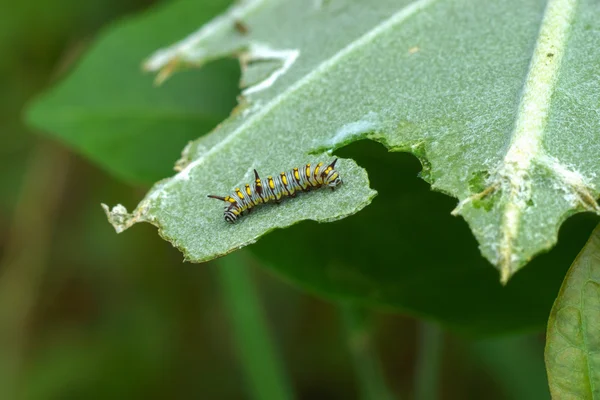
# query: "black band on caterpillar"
[286,184]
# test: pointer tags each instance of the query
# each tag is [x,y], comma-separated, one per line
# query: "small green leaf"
[109,111]
[573,337]
[495,98]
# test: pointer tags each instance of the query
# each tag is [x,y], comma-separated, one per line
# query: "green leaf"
[109,111]
[497,99]
[573,337]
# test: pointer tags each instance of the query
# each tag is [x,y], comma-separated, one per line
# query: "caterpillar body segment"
[276,188]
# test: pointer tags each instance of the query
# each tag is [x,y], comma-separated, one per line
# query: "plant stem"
[26,256]
[259,360]
[366,363]
[429,357]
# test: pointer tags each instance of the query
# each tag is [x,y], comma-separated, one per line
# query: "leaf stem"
[262,367]
[367,366]
[429,358]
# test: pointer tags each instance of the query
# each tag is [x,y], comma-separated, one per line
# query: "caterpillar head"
[332,176]
[230,216]
[231,213]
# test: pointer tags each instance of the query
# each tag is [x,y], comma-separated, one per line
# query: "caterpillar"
[286,184]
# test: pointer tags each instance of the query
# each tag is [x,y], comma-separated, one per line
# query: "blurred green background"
[87,314]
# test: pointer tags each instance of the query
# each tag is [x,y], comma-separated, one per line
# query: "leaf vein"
[525,146]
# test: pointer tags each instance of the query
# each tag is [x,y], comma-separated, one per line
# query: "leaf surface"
[573,336]
[497,99]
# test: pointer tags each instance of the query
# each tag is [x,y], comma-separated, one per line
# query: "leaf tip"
[119,218]
[505,274]
[164,74]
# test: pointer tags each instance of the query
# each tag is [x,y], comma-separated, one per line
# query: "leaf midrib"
[530,124]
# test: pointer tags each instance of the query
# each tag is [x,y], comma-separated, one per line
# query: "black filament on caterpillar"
[286,184]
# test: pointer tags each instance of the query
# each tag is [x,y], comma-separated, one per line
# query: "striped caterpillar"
[284,185]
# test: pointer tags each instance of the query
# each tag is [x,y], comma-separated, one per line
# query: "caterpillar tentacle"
[275,189]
